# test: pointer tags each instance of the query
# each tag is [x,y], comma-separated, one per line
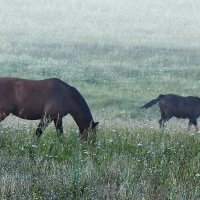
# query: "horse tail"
[152,102]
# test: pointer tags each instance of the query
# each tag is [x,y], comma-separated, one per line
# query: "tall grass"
[124,164]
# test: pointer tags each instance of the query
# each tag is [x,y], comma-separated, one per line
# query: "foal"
[172,105]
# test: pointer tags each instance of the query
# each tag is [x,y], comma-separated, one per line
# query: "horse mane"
[197,98]
[78,99]
[83,104]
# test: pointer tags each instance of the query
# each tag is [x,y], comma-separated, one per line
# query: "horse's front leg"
[59,126]
[41,126]
[83,134]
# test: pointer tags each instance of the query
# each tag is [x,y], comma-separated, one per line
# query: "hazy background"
[114,22]
[119,54]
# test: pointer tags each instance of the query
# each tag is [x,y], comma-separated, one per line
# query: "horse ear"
[94,124]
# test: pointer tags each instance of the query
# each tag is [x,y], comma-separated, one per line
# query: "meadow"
[119,55]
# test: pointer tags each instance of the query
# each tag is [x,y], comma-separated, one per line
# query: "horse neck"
[82,120]
[80,111]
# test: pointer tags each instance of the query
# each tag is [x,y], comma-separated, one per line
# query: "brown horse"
[177,106]
[47,100]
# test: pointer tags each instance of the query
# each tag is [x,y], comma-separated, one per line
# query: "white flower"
[139,144]
[34,146]
[197,175]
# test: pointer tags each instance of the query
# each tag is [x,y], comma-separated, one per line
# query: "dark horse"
[172,105]
[47,100]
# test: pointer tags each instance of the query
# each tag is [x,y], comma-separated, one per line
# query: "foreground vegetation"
[124,164]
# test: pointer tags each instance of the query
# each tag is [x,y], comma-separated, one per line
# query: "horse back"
[181,107]
[31,99]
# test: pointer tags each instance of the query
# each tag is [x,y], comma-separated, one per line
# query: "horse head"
[89,133]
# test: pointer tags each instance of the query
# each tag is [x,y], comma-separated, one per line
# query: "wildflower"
[197,175]
[139,144]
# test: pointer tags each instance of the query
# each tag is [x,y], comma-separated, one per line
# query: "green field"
[119,55]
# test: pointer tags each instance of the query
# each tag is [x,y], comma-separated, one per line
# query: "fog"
[114,22]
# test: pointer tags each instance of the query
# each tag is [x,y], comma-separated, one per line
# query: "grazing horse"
[47,100]
[172,105]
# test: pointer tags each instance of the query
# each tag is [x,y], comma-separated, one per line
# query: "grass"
[119,55]
[124,164]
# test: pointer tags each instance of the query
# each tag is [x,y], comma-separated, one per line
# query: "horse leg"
[162,120]
[83,134]
[58,125]
[3,115]
[194,122]
[196,128]
[163,116]
[189,125]
[44,122]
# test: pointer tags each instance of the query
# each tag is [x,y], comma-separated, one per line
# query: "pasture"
[119,55]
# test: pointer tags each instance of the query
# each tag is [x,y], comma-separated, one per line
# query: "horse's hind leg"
[196,127]
[189,125]
[3,115]
[194,122]
[41,126]
[161,123]
[58,125]
[164,118]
